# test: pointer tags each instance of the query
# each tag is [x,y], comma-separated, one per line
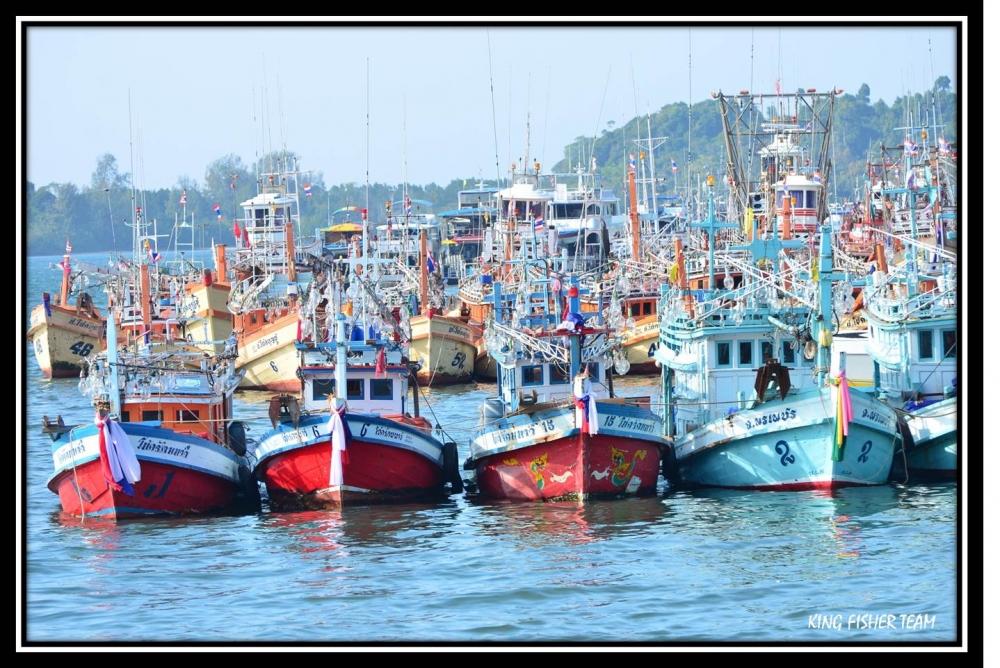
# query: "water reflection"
[572,523]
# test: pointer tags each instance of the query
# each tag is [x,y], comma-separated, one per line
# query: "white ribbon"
[338,444]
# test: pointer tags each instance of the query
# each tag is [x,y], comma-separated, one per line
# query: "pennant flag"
[184,197]
[431,265]
[308,189]
[673,166]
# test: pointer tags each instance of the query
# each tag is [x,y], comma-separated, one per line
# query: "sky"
[200,93]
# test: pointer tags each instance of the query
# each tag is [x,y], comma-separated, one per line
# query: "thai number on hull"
[459,361]
[784,452]
[865,449]
[274,367]
[652,350]
[82,349]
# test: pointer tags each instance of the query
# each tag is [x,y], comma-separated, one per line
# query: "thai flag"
[218,210]
[431,265]
[911,179]
[909,146]
[673,166]
[308,189]
[69,247]
[409,205]
[364,215]
[138,212]
[154,256]
[64,265]
[184,198]
[943,144]
[631,161]
[539,223]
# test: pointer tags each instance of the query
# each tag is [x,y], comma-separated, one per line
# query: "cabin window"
[355,388]
[594,371]
[613,209]
[532,375]
[186,416]
[125,416]
[322,387]
[746,353]
[634,309]
[152,416]
[380,389]
[722,354]
[647,308]
[593,210]
[950,342]
[810,199]
[796,199]
[558,374]
[766,351]
[925,344]
[787,353]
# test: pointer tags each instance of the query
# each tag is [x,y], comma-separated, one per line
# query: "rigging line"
[600,113]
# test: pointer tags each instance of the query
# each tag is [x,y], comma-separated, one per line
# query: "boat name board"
[763,420]
[623,423]
[265,343]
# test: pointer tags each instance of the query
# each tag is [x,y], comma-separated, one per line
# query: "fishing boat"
[444,346]
[552,432]
[913,342]
[740,401]
[62,335]
[163,440]
[350,440]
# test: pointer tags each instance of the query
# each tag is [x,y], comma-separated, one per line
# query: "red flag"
[246,237]
[236,229]
[380,363]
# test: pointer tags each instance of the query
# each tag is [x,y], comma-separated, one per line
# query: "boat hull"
[639,345]
[445,348]
[935,440]
[180,475]
[789,445]
[211,323]
[270,358]
[545,456]
[385,462]
[63,338]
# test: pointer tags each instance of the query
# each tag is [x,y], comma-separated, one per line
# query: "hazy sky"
[194,90]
